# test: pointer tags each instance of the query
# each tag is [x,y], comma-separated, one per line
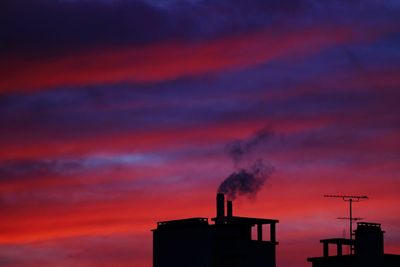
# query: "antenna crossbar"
[348,198]
[348,218]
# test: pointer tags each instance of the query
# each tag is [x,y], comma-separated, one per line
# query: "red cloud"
[170,60]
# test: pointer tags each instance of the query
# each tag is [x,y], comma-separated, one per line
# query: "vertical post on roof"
[259,232]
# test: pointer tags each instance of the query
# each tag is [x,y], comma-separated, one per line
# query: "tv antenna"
[348,218]
[349,199]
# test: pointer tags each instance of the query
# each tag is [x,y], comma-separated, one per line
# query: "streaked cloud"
[116,114]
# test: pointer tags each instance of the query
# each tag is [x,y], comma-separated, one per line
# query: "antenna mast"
[349,199]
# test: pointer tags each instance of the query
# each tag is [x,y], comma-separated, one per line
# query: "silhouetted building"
[230,241]
[368,250]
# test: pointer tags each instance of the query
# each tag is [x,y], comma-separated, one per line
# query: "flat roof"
[247,220]
[347,257]
[343,241]
[195,221]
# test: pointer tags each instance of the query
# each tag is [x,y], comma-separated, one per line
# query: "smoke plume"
[246,182]
[239,149]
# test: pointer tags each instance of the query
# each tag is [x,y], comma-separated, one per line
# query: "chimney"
[220,206]
[229,208]
[369,244]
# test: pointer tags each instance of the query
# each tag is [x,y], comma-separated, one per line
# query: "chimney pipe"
[229,208]
[220,205]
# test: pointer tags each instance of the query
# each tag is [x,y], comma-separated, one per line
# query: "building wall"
[211,246]
[234,248]
[183,247]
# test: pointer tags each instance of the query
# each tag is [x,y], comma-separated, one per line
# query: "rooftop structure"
[368,250]
[225,241]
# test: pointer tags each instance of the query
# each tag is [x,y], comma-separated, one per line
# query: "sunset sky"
[117,114]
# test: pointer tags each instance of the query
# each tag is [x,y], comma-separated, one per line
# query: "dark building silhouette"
[229,241]
[368,250]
